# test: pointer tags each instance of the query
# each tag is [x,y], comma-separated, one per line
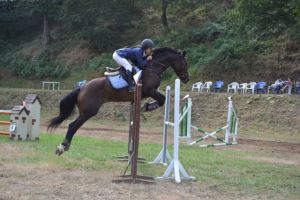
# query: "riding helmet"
[146,43]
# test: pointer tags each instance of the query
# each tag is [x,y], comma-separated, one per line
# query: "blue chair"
[218,86]
[260,87]
[79,84]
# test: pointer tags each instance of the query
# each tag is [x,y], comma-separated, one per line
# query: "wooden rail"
[5,112]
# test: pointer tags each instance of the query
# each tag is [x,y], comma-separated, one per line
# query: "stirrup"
[131,86]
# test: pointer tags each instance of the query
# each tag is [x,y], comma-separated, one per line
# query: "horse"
[98,91]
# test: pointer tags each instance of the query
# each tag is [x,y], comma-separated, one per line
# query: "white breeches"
[122,61]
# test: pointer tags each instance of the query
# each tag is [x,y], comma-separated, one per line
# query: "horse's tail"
[67,105]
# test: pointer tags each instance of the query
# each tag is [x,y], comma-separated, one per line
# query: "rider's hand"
[149,58]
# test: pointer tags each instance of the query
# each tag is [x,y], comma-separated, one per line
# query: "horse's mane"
[164,49]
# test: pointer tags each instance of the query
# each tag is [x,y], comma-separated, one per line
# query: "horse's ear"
[183,53]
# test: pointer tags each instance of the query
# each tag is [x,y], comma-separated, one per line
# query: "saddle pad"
[117,82]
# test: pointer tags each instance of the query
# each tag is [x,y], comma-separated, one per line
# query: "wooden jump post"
[134,131]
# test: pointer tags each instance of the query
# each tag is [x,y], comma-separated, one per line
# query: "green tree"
[266,16]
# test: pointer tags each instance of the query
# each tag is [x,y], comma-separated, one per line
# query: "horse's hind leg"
[89,100]
[73,127]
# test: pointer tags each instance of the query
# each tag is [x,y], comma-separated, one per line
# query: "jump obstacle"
[230,129]
[133,144]
[5,112]
[175,169]
[182,129]
[24,119]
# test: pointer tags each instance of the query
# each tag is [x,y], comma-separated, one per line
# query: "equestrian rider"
[138,55]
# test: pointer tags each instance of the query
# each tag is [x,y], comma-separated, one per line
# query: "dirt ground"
[24,182]
[29,182]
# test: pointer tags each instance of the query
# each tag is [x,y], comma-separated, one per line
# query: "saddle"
[119,70]
[116,76]
[112,71]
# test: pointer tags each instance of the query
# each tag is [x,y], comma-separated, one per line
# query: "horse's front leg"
[160,101]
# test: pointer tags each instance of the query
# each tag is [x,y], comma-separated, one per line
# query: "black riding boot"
[130,81]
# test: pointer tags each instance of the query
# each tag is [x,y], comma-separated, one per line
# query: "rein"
[153,70]
[159,63]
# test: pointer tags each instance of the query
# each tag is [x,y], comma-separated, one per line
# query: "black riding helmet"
[147,43]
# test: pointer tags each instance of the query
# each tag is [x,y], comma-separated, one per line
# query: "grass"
[226,169]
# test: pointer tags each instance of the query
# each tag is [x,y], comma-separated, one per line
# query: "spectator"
[287,87]
[277,86]
[297,86]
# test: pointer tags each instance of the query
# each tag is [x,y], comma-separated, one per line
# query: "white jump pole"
[236,124]
[175,169]
[229,113]
[189,121]
[164,156]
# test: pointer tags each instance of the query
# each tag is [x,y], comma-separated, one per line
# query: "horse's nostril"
[185,80]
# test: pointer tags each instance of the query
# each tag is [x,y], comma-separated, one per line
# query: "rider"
[139,56]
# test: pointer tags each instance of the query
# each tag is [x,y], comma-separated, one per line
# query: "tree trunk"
[9,25]
[164,19]
[46,31]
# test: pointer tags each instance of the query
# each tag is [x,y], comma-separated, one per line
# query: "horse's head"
[177,60]
[180,67]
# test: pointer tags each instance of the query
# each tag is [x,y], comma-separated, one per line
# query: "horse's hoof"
[60,149]
[152,106]
[58,152]
[144,107]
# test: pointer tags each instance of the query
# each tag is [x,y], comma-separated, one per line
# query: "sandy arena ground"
[28,182]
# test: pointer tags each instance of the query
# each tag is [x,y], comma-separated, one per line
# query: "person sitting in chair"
[278,85]
[140,56]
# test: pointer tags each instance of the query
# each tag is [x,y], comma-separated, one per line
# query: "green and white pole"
[230,129]
[185,121]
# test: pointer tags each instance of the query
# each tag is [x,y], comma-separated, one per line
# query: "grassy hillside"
[268,117]
[230,40]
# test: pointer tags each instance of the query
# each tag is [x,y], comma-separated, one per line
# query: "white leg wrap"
[61,148]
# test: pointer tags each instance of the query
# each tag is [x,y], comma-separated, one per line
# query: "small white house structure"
[19,123]
[33,103]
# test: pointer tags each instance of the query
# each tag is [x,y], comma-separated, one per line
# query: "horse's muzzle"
[184,79]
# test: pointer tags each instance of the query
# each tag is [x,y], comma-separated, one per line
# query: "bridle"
[153,70]
[159,63]
[153,62]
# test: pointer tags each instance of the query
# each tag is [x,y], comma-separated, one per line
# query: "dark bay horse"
[98,91]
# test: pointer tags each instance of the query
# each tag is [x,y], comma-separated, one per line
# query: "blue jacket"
[136,55]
